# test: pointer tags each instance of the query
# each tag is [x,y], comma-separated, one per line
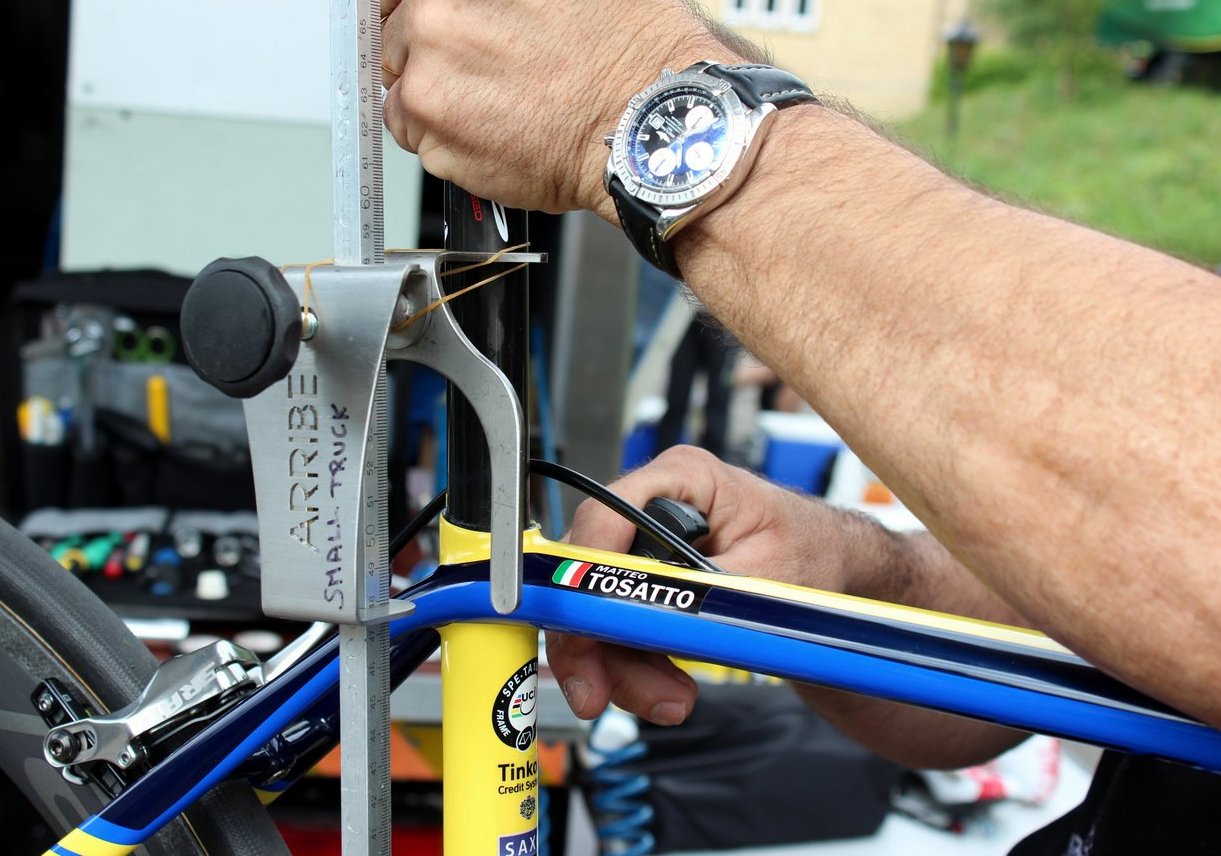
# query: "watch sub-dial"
[663,162]
[699,156]
[698,118]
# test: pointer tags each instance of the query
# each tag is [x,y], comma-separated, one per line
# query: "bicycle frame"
[272,736]
[1006,675]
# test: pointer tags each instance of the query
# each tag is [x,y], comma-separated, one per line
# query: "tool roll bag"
[108,413]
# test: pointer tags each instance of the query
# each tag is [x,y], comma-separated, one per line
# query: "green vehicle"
[1190,26]
[1170,41]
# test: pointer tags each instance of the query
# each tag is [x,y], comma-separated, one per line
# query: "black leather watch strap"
[639,220]
[762,84]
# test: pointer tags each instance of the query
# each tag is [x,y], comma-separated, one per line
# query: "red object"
[325,840]
[113,569]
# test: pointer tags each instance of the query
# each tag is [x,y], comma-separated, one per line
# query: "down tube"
[489,689]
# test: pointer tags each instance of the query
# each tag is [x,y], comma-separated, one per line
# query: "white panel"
[202,128]
[175,192]
[263,59]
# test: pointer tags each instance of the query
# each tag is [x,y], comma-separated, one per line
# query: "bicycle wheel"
[51,625]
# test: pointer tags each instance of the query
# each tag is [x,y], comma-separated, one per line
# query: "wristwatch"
[686,143]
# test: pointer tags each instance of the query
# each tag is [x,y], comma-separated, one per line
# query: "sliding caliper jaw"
[317,435]
[442,346]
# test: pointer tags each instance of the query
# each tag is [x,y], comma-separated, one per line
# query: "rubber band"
[436,304]
[492,259]
[308,289]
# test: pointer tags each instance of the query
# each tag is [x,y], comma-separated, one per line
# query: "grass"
[1132,159]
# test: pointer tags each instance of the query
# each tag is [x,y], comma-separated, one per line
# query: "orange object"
[878,493]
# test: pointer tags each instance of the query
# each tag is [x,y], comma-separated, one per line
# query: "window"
[774,14]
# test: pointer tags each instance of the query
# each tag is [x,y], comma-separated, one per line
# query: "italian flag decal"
[570,573]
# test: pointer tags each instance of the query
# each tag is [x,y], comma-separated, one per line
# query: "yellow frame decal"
[81,842]
[468,546]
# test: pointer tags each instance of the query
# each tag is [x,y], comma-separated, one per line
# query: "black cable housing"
[589,487]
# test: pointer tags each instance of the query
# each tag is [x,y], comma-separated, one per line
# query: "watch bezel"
[740,131]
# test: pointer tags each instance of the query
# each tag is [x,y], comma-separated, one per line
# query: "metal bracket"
[312,439]
[311,435]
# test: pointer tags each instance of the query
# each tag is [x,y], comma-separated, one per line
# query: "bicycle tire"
[52,625]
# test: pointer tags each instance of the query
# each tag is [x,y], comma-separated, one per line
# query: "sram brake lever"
[678,517]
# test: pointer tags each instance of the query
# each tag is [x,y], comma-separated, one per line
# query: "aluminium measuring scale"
[307,346]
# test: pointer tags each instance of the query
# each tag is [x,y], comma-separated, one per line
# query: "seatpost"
[496,320]
[489,671]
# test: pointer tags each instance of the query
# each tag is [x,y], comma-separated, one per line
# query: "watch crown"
[609,139]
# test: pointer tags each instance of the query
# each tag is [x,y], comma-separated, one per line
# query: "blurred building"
[878,54]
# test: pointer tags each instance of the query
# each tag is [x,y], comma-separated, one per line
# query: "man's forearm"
[915,570]
[1007,374]
[1044,397]
[923,574]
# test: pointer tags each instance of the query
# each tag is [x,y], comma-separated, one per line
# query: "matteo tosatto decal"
[516,708]
[622,584]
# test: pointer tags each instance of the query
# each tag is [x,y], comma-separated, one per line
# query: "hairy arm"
[916,570]
[1041,395]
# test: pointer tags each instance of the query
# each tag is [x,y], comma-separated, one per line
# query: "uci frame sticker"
[515,721]
[623,584]
[515,711]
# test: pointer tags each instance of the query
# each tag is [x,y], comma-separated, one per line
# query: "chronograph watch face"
[680,140]
[685,143]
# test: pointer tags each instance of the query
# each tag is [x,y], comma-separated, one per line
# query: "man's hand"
[511,99]
[755,528]
[758,528]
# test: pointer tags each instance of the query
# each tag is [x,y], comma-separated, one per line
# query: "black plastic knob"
[241,325]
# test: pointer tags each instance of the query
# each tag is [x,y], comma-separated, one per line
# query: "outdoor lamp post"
[960,42]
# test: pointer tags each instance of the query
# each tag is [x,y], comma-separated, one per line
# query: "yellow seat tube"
[489,697]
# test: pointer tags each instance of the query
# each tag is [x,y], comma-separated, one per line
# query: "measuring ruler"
[364,704]
[356,131]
